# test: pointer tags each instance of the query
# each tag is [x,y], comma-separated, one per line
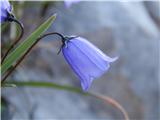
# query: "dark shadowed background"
[130,30]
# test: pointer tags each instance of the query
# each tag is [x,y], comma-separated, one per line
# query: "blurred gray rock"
[124,29]
[153,8]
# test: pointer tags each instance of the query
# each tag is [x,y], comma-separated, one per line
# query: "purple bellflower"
[87,61]
[68,3]
[6,9]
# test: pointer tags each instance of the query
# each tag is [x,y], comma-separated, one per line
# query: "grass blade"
[25,45]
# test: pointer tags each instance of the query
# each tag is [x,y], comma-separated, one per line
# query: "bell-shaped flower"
[6,9]
[87,61]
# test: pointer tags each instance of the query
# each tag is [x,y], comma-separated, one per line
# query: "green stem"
[16,41]
[27,52]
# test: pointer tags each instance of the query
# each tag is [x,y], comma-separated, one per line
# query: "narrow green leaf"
[25,45]
[46,84]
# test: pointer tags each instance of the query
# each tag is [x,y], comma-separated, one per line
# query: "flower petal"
[87,67]
[5,9]
[91,49]
[86,60]
[68,3]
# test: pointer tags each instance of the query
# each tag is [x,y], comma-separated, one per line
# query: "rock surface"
[124,29]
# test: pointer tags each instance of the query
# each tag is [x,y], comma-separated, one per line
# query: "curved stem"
[26,53]
[104,98]
[16,41]
[114,103]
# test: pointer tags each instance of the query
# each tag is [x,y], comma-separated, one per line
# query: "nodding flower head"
[87,61]
[6,9]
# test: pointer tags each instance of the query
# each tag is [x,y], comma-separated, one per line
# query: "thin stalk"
[113,103]
[16,41]
[104,98]
[27,52]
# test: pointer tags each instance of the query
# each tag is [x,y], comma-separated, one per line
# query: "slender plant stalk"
[104,98]
[114,103]
[26,53]
[16,41]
